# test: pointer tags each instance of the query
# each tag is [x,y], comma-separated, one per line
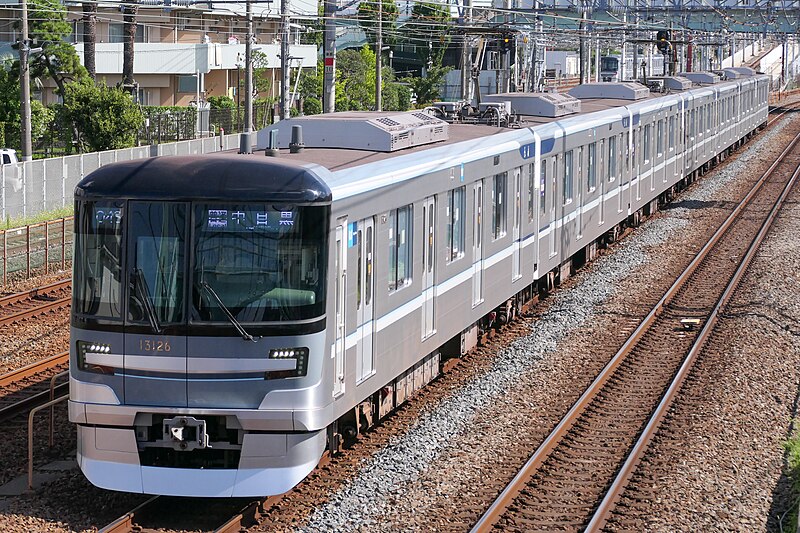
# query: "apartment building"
[182,53]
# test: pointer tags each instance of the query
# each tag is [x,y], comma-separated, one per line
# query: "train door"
[428,266]
[579,204]
[554,205]
[365,239]
[517,228]
[601,173]
[477,244]
[340,268]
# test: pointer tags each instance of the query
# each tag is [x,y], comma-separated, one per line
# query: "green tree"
[49,29]
[430,24]
[41,117]
[427,88]
[368,20]
[105,117]
[355,80]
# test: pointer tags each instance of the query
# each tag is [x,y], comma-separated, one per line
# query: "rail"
[504,500]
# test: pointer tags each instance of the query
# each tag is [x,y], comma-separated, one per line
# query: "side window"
[499,205]
[543,188]
[567,189]
[646,144]
[6,159]
[456,203]
[400,234]
[531,189]
[591,169]
[627,150]
[660,138]
[612,158]
[671,140]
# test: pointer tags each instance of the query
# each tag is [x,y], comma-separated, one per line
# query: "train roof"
[223,177]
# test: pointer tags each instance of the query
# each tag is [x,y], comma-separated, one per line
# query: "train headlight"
[94,348]
[298,354]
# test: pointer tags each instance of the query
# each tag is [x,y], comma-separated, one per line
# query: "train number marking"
[151,345]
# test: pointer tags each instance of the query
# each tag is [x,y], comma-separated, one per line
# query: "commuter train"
[234,315]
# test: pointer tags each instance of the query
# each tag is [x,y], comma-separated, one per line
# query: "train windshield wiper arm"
[246,336]
[144,294]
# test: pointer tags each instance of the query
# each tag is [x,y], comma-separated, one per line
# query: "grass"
[55,214]
[792,447]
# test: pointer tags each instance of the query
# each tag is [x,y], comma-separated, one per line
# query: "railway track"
[28,387]
[574,479]
[35,302]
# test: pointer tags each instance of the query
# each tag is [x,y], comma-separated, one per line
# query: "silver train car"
[235,315]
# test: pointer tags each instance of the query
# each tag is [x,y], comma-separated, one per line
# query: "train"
[235,315]
[610,67]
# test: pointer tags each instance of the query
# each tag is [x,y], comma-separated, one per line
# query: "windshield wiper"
[144,295]
[246,336]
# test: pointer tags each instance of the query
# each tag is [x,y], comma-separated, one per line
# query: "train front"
[198,325]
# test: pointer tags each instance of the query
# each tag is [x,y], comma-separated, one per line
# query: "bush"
[106,117]
[221,102]
[312,106]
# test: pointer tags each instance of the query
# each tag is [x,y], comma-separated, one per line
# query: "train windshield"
[97,287]
[609,64]
[258,263]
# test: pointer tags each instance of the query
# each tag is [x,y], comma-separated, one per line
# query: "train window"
[591,169]
[660,138]
[627,151]
[358,239]
[97,287]
[400,234]
[259,262]
[543,188]
[157,233]
[368,275]
[456,208]
[553,194]
[499,210]
[531,190]
[646,144]
[671,140]
[612,158]
[567,189]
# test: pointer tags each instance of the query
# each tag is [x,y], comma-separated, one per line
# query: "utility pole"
[285,60]
[466,54]
[25,85]
[246,142]
[378,47]
[329,77]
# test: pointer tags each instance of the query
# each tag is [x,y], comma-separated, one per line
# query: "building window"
[116,33]
[499,205]
[400,234]
[567,189]
[187,84]
[591,170]
[456,205]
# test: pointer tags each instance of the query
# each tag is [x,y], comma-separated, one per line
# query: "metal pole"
[25,86]
[285,60]
[329,80]
[378,46]
[245,142]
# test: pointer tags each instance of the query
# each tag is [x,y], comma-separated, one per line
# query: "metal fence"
[36,249]
[33,187]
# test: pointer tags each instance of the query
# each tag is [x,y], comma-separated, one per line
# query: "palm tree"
[89,37]
[129,30]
